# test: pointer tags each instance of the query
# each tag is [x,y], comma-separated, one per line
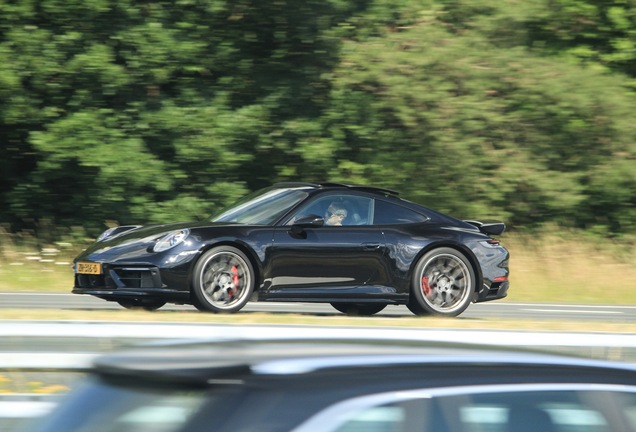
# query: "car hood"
[139,239]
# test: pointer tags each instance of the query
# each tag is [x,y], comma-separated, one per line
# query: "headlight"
[170,240]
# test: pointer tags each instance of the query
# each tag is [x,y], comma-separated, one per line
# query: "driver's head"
[335,214]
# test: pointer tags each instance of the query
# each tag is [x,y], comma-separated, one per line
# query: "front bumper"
[115,277]
[130,282]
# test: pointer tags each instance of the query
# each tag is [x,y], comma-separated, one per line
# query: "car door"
[340,261]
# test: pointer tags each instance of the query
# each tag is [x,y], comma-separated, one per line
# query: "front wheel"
[443,284]
[358,309]
[223,280]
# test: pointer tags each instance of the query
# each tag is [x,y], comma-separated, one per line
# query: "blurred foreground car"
[359,248]
[346,386]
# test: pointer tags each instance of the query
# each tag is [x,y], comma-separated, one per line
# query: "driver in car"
[335,214]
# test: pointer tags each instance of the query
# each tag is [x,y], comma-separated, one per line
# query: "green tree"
[149,111]
[436,107]
[142,111]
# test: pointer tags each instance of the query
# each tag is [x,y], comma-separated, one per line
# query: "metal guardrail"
[69,342]
[26,406]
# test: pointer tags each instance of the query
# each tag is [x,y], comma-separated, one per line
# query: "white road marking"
[573,311]
[562,305]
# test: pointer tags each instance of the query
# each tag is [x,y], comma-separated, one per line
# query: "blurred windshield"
[100,406]
[263,207]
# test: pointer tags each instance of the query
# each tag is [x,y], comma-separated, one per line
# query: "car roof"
[389,194]
[202,362]
[333,185]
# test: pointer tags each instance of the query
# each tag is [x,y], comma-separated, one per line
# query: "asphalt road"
[490,310]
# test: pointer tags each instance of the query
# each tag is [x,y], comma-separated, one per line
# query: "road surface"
[488,310]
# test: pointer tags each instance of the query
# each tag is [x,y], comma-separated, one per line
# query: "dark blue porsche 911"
[358,248]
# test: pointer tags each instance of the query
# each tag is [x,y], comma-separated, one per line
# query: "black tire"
[443,284]
[148,305]
[223,280]
[359,309]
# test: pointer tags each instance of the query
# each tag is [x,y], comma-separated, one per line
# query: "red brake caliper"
[425,286]
[235,281]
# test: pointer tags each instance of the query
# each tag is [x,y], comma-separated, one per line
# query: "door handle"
[370,246]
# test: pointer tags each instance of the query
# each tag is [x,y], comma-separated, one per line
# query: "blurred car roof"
[199,362]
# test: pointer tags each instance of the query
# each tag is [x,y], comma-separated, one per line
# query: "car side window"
[388,418]
[387,213]
[565,410]
[339,210]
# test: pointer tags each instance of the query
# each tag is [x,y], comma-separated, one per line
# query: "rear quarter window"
[387,213]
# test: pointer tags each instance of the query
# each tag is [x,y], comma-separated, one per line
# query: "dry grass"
[569,269]
[35,271]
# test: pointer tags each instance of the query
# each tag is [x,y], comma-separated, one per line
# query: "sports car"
[358,248]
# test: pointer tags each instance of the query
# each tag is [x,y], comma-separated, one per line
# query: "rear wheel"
[223,280]
[359,309]
[443,284]
[149,305]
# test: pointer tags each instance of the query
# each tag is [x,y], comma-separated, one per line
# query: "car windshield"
[263,207]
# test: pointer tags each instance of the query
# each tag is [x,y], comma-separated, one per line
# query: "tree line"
[142,111]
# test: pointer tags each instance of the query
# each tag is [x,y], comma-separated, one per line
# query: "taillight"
[500,279]
[493,242]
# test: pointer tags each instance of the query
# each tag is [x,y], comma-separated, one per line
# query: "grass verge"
[564,267]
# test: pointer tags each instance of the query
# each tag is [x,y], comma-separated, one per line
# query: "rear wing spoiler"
[489,227]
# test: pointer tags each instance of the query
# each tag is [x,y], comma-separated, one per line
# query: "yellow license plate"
[89,268]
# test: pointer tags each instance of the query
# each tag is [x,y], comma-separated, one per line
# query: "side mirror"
[308,221]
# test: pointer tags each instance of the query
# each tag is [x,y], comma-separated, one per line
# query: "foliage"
[489,131]
[131,111]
